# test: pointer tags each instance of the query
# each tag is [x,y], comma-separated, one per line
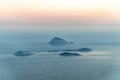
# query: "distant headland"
[81,50]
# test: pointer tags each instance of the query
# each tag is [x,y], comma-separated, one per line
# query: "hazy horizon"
[60,14]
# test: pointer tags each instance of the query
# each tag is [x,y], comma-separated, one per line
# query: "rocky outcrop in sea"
[69,54]
[23,53]
[56,41]
[79,50]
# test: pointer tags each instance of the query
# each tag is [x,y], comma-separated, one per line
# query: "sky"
[60,12]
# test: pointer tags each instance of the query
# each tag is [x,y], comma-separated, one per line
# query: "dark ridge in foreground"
[69,54]
[23,53]
[81,50]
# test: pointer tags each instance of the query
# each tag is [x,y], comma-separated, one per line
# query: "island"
[23,53]
[69,54]
[85,50]
[79,50]
[56,41]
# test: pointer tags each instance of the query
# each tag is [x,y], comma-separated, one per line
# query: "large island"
[56,41]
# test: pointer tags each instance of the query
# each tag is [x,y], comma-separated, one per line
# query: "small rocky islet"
[85,50]
[23,53]
[69,54]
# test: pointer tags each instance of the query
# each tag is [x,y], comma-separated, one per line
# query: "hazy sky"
[60,11]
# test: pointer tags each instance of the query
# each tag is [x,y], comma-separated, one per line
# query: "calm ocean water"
[100,64]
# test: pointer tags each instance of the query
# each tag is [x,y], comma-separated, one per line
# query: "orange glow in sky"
[60,10]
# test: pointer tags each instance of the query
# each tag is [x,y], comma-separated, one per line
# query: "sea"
[102,63]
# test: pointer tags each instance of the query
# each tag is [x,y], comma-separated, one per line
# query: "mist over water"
[100,64]
[33,39]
